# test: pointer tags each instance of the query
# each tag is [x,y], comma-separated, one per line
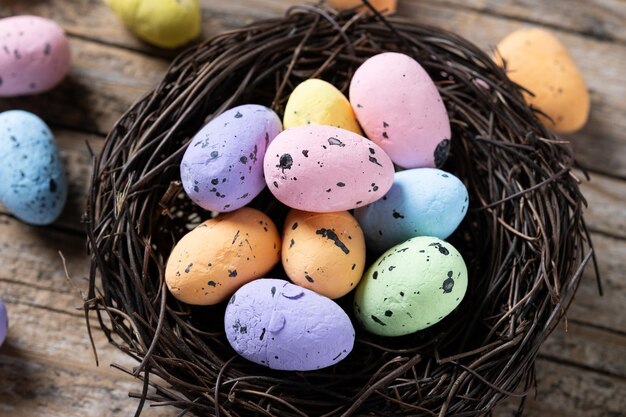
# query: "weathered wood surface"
[47,365]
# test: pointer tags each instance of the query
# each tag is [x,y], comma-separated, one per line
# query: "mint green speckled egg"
[411,287]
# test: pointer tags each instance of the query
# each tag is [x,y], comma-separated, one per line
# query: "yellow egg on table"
[164,23]
[317,102]
[386,6]
[222,254]
[538,61]
[324,252]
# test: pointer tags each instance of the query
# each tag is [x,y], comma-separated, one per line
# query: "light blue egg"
[33,186]
[421,202]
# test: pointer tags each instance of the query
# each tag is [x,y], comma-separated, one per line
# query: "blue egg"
[33,186]
[421,202]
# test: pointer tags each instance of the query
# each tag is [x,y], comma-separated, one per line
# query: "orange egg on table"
[538,61]
[222,254]
[324,252]
[386,6]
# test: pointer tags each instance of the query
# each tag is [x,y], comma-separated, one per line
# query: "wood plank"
[606,198]
[572,392]
[102,84]
[601,19]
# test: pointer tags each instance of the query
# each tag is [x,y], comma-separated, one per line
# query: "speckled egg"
[421,202]
[220,255]
[318,102]
[538,61]
[324,252]
[386,6]
[326,169]
[34,55]
[283,326]
[33,186]
[222,169]
[164,23]
[4,323]
[411,287]
[399,108]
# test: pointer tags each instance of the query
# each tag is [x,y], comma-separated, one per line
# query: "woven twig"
[524,238]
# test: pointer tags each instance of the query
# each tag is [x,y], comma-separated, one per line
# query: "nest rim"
[523,196]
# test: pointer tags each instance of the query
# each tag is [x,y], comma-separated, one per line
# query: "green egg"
[411,287]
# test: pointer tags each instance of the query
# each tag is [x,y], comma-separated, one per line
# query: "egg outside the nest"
[34,185]
[282,326]
[411,287]
[324,252]
[220,255]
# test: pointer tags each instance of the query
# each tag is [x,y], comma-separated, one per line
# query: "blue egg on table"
[33,186]
[421,202]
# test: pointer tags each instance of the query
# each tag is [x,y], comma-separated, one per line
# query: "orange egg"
[324,252]
[385,6]
[220,255]
[536,60]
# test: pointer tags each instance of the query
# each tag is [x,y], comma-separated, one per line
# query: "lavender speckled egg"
[282,326]
[421,202]
[399,108]
[33,185]
[34,55]
[326,169]
[4,323]
[222,169]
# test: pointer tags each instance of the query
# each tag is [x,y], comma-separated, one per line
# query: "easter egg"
[283,326]
[164,23]
[220,255]
[399,108]
[386,6]
[411,287]
[4,323]
[34,55]
[33,186]
[222,168]
[326,169]
[538,61]
[324,252]
[320,103]
[421,202]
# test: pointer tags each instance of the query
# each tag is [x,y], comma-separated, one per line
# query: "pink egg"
[399,108]
[34,55]
[325,169]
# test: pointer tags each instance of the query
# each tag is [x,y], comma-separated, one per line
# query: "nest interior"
[524,238]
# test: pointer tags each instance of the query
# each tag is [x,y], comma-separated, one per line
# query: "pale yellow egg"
[317,102]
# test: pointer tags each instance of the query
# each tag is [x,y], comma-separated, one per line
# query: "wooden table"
[46,365]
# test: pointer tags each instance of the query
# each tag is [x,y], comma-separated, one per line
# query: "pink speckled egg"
[324,169]
[399,108]
[34,55]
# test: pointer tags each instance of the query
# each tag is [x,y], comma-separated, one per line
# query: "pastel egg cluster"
[334,166]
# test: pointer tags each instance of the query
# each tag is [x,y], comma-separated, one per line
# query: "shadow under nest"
[524,238]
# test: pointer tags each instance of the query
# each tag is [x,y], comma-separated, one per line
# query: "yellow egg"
[387,6]
[536,60]
[324,252]
[164,23]
[318,102]
[220,255]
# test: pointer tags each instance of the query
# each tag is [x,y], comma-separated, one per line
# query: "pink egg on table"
[399,108]
[325,169]
[34,55]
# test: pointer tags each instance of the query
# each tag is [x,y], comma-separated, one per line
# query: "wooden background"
[46,366]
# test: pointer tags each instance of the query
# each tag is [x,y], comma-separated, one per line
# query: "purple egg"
[4,322]
[222,169]
[282,326]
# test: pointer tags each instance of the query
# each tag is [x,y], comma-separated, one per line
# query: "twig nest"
[539,62]
[4,322]
[384,6]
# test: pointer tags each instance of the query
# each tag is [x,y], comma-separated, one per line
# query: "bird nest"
[524,238]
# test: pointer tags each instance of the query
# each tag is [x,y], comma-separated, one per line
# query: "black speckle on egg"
[375,275]
[374,160]
[212,284]
[285,162]
[238,115]
[293,242]
[391,268]
[232,273]
[52,185]
[377,320]
[305,152]
[273,291]
[336,142]
[214,154]
[388,313]
[275,184]
[442,249]
[294,226]
[397,215]
[243,159]
[353,266]
[401,293]
[309,278]
[341,184]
